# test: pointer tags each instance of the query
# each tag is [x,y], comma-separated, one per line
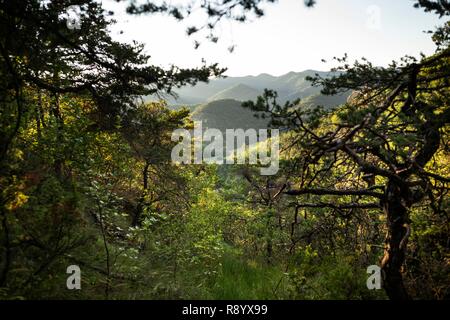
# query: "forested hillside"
[87,179]
[228,114]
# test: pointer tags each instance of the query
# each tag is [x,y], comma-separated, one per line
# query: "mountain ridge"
[290,86]
[240,92]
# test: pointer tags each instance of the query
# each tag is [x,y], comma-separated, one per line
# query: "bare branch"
[336,192]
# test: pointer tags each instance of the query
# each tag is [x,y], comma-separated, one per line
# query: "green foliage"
[240,278]
[86,176]
[336,277]
[221,114]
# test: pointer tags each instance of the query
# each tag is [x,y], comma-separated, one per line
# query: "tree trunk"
[145,176]
[140,206]
[395,207]
[6,257]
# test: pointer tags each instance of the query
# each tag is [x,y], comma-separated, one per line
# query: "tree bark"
[137,214]
[6,263]
[395,207]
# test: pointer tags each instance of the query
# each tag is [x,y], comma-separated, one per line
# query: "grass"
[241,279]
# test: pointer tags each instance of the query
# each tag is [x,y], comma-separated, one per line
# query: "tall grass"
[242,279]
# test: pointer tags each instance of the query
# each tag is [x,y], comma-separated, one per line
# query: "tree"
[78,146]
[38,50]
[377,150]
[148,131]
[47,69]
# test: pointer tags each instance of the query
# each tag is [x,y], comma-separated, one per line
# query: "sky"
[289,37]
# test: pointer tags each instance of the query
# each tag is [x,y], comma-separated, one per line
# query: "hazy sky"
[290,37]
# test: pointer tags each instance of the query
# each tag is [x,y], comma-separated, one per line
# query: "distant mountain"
[289,86]
[218,102]
[240,92]
[227,114]
[327,102]
[176,102]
